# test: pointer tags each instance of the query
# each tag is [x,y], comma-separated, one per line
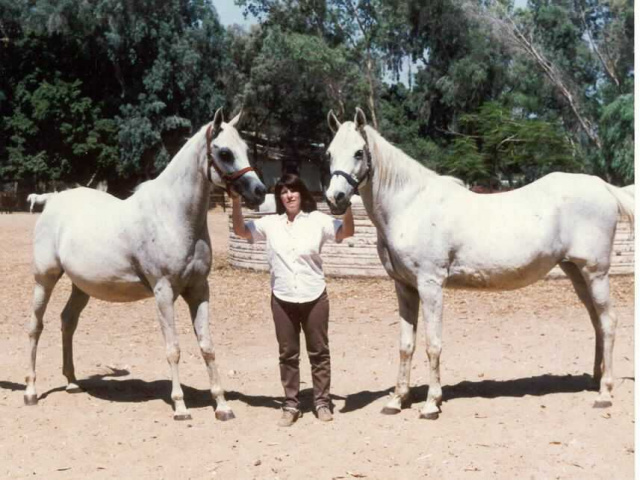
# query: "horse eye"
[226,155]
[359,154]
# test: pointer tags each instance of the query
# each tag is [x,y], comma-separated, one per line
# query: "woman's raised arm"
[348,228]
[239,227]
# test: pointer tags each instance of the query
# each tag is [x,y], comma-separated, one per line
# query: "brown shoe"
[289,417]
[324,414]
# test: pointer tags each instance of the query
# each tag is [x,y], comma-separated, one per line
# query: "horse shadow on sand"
[539,386]
[112,387]
[106,387]
[12,386]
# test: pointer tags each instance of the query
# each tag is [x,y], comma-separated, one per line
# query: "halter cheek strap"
[352,179]
[228,178]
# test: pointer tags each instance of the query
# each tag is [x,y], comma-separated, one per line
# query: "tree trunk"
[507,32]
[372,104]
[610,70]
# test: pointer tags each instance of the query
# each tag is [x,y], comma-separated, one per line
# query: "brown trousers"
[313,318]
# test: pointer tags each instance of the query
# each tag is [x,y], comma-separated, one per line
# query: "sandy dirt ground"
[515,368]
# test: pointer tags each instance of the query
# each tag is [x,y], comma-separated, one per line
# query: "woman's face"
[291,201]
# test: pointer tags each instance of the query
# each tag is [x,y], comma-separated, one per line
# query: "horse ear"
[333,122]
[361,119]
[236,119]
[218,118]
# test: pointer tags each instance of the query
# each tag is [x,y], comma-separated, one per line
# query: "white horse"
[35,199]
[154,243]
[430,235]
[269,204]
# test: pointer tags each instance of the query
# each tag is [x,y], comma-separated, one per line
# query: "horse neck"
[395,179]
[378,212]
[183,186]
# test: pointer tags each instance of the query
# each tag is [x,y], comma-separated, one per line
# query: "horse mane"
[394,169]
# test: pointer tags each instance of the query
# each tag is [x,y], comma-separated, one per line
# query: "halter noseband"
[352,179]
[228,178]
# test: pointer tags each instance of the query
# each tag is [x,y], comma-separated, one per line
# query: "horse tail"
[626,199]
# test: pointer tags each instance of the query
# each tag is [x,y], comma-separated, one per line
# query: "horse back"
[505,240]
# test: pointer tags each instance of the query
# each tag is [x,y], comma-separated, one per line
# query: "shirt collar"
[301,214]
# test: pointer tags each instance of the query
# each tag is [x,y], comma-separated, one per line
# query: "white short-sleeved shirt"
[293,252]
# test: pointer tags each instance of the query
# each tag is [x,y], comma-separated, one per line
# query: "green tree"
[152,67]
[56,133]
[582,50]
[500,144]
[166,57]
[293,80]
[616,131]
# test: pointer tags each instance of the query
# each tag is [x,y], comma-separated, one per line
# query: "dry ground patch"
[516,373]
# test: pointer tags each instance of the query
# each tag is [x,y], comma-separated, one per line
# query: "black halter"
[352,179]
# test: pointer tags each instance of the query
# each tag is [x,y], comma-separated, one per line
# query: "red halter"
[228,178]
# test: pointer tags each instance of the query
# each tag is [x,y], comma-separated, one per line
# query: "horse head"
[349,160]
[228,163]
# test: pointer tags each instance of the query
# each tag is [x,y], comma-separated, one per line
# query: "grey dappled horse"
[433,232]
[154,243]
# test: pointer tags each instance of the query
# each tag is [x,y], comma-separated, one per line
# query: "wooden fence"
[358,257]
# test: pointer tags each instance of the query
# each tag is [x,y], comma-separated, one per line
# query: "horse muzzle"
[338,203]
[252,190]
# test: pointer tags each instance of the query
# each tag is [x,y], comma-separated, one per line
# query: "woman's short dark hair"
[295,184]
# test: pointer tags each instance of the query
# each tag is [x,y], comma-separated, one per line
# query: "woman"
[299,299]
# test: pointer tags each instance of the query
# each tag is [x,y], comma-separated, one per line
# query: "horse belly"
[498,278]
[108,277]
[112,290]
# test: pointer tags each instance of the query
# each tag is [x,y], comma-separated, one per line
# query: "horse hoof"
[429,416]
[182,416]
[30,400]
[602,404]
[390,411]
[74,389]
[225,415]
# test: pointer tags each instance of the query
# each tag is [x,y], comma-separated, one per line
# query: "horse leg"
[41,294]
[598,285]
[409,304]
[198,300]
[582,290]
[164,301]
[432,300]
[70,315]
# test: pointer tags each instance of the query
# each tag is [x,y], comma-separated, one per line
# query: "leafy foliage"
[617,138]
[111,89]
[503,145]
[56,133]
[152,69]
